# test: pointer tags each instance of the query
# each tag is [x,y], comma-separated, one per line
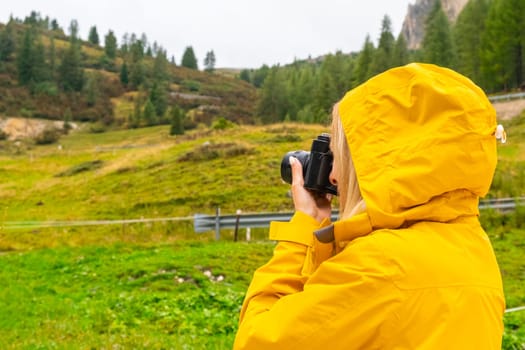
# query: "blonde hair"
[350,199]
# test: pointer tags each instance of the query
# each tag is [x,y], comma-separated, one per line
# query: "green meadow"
[160,285]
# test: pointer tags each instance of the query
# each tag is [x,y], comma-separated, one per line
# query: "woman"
[408,265]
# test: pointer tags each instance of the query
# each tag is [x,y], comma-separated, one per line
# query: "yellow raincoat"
[415,270]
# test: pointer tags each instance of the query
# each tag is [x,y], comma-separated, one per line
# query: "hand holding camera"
[309,174]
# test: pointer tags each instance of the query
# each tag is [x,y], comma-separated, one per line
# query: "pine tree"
[159,98]
[273,103]
[469,25]
[503,45]
[137,68]
[401,55]
[92,90]
[71,73]
[259,75]
[362,68]
[54,25]
[148,113]
[52,58]
[110,45]
[383,57]
[188,59]
[333,82]
[160,65]
[209,61]
[135,119]
[93,36]
[41,71]
[438,46]
[124,78]
[7,42]
[25,58]
[245,75]
[177,121]
[137,76]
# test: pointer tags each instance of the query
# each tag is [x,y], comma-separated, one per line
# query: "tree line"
[486,43]
[52,64]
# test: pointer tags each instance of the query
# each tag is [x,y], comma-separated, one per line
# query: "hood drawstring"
[500,134]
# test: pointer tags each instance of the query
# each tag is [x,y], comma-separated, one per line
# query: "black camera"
[317,165]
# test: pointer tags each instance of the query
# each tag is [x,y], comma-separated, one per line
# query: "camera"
[317,165]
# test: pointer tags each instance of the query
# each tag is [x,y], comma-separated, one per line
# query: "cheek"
[334,174]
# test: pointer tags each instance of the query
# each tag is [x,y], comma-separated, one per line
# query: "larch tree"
[209,61]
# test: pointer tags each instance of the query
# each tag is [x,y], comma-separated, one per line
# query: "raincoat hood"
[422,141]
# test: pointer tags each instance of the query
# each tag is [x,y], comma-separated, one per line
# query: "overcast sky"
[242,33]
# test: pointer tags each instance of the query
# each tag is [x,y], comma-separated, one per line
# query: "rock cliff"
[414,24]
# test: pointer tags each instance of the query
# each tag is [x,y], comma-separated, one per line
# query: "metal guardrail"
[507,97]
[16,225]
[502,204]
[205,223]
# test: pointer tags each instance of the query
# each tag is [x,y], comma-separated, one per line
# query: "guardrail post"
[218,223]
[237,219]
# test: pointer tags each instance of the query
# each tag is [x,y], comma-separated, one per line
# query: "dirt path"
[509,109]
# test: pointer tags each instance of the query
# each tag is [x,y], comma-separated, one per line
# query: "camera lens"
[286,169]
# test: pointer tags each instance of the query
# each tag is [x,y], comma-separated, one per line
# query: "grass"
[183,296]
[142,173]
[156,285]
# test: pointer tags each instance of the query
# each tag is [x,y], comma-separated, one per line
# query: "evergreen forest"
[486,43]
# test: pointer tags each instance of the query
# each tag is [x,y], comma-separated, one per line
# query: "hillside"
[36,62]
[146,173]
[129,174]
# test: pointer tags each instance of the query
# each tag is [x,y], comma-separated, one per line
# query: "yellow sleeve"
[290,265]
[286,309]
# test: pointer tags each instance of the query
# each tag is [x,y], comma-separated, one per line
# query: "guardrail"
[217,222]
[507,97]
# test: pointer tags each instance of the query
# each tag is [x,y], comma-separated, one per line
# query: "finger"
[297,172]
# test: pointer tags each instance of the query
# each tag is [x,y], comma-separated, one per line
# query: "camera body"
[317,165]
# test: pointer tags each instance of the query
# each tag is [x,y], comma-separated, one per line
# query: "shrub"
[26,113]
[209,151]
[191,85]
[82,167]
[285,138]
[97,128]
[222,123]
[48,136]
[45,88]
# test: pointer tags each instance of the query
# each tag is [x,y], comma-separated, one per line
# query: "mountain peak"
[414,24]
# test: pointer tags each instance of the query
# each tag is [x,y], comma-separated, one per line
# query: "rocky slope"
[414,24]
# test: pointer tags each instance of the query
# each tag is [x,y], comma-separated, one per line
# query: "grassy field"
[161,285]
